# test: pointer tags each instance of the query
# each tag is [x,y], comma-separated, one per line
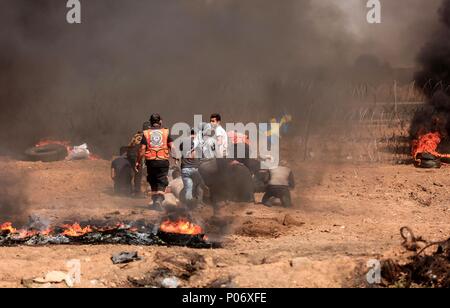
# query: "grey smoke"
[13,198]
[98,81]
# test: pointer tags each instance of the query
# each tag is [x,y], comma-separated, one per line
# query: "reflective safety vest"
[157,147]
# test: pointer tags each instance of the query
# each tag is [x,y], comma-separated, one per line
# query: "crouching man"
[122,172]
[281,180]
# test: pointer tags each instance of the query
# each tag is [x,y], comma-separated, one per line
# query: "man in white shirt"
[220,135]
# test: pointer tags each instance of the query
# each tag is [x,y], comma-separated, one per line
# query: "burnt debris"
[123,234]
[422,270]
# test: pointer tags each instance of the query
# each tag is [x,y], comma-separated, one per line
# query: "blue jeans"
[188,175]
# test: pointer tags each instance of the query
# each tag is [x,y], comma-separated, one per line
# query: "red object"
[238,138]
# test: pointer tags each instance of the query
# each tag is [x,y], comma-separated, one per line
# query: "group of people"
[202,163]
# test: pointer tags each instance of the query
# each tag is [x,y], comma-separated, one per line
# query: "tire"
[429,164]
[426,156]
[46,153]
[445,160]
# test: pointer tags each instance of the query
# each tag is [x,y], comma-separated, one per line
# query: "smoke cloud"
[98,81]
[13,198]
[434,79]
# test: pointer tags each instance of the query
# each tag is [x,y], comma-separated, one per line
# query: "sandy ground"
[344,215]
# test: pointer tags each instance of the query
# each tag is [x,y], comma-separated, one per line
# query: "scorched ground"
[345,214]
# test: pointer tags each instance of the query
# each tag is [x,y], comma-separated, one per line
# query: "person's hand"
[235,162]
[137,166]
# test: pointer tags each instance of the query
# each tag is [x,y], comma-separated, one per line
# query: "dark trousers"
[137,179]
[122,183]
[157,172]
[279,192]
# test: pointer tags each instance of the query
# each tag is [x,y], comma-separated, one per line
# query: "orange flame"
[21,233]
[7,227]
[428,143]
[76,230]
[50,141]
[181,226]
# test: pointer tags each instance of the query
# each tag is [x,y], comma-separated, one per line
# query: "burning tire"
[46,153]
[426,156]
[429,164]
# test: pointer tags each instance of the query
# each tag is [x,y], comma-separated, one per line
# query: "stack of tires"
[428,161]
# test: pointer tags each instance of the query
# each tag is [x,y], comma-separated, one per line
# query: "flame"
[45,142]
[67,144]
[21,233]
[181,226]
[76,230]
[7,227]
[428,143]
[94,157]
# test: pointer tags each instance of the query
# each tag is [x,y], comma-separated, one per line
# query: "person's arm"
[172,149]
[113,173]
[291,180]
[141,155]
[141,152]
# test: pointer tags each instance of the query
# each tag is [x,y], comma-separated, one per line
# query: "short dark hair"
[215,116]
[155,119]
[146,125]
[123,150]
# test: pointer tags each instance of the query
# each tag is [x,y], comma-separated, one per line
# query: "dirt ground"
[344,215]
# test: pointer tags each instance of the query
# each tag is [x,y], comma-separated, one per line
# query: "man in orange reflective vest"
[156,145]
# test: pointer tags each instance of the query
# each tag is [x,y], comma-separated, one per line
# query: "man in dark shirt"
[122,173]
[156,145]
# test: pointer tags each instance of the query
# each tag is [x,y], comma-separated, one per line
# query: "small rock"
[221,265]
[27,283]
[53,277]
[125,257]
[288,220]
[170,283]
[300,262]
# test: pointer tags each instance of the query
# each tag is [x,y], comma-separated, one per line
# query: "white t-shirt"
[222,142]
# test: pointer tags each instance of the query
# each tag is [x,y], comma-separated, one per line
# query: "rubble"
[120,234]
[125,257]
[422,270]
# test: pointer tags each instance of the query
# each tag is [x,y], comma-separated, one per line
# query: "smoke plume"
[434,79]
[13,200]
[249,60]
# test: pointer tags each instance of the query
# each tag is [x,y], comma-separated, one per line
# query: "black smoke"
[434,79]
[249,60]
